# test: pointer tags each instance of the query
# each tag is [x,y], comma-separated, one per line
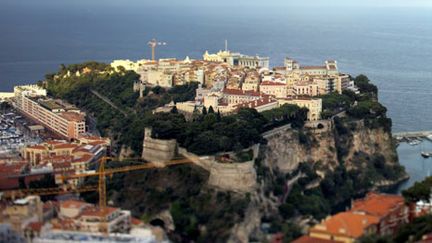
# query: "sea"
[391,45]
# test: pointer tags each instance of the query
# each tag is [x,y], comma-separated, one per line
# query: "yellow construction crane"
[153,44]
[101,187]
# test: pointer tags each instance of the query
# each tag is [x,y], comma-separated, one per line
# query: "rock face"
[285,151]
[158,150]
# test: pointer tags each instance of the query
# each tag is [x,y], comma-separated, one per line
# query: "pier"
[414,134]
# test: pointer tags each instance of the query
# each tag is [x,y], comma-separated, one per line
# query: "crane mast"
[153,44]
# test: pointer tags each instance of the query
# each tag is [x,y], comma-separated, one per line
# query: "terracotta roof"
[73,204]
[256,103]
[39,147]
[348,224]
[308,239]
[65,146]
[378,204]
[83,158]
[35,226]
[97,212]
[53,142]
[136,221]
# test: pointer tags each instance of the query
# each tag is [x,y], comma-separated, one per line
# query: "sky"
[227,3]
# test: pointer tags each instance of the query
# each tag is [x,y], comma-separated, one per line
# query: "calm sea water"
[393,46]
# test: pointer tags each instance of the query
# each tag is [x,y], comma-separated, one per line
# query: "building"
[345,227]
[264,103]
[380,214]
[23,212]
[237,59]
[128,64]
[276,89]
[61,158]
[329,68]
[390,210]
[80,216]
[305,89]
[308,239]
[58,116]
[314,105]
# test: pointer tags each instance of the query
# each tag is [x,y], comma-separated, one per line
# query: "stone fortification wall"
[158,150]
[237,177]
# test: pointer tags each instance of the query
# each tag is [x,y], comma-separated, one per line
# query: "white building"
[237,59]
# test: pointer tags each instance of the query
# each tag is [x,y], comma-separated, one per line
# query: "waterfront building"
[58,116]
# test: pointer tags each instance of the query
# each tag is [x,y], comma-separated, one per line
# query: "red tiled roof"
[35,226]
[97,212]
[241,92]
[65,146]
[39,147]
[136,221]
[256,103]
[378,204]
[73,204]
[308,239]
[348,224]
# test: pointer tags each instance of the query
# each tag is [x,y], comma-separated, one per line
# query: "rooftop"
[97,212]
[308,239]
[378,204]
[350,224]
[241,92]
[73,204]
[73,116]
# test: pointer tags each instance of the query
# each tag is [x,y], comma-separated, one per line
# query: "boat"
[414,142]
[426,154]
[429,137]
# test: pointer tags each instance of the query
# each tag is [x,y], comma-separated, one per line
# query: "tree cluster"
[209,132]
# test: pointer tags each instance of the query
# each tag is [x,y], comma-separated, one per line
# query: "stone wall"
[158,150]
[237,177]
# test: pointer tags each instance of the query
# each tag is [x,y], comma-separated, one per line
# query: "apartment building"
[345,227]
[376,213]
[56,115]
[276,89]
[391,211]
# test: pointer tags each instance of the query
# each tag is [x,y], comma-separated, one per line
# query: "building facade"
[61,118]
